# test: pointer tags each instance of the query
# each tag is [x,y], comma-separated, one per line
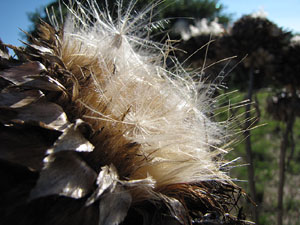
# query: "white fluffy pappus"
[155,122]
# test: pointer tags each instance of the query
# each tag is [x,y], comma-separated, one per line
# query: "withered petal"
[106,181]
[41,49]
[72,139]
[37,50]
[19,99]
[45,114]
[114,206]
[43,83]
[176,208]
[66,174]
[4,53]
[19,74]
[20,52]
[26,145]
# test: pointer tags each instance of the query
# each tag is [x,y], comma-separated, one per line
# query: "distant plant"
[285,106]
[260,41]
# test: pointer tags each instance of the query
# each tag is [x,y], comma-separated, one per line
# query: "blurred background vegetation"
[265,71]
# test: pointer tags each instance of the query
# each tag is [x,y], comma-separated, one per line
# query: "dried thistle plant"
[97,130]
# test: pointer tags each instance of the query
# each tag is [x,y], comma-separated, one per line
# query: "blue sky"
[285,13]
[13,14]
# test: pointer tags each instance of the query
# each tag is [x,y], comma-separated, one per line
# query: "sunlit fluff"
[133,99]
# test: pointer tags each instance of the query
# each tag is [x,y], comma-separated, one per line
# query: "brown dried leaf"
[47,32]
[114,206]
[6,61]
[176,209]
[72,139]
[3,51]
[19,99]
[45,114]
[44,83]
[41,49]
[106,181]
[21,74]
[26,145]
[37,50]
[66,174]
[20,53]
[54,59]
[115,200]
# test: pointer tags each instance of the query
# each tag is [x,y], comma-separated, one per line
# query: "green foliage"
[195,9]
[266,143]
[265,218]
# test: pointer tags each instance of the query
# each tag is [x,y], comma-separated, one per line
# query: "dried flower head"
[127,138]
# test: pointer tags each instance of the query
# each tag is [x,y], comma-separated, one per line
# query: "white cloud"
[260,13]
